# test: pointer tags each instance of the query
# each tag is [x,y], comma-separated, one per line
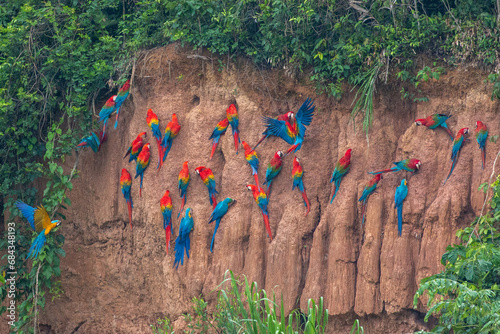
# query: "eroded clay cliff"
[117,280]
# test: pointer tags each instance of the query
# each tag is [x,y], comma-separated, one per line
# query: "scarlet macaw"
[219,130]
[183,184]
[369,188]
[341,168]
[91,141]
[288,117]
[107,110]
[457,144]
[410,165]
[40,222]
[166,211]
[126,184]
[208,179]
[219,212]
[253,160]
[297,174]
[142,164]
[136,147]
[399,197]
[182,242]
[154,125]
[120,98]
[434,121]
[171,131]
[481,135]
[232,117]
[273,169]
[262,201]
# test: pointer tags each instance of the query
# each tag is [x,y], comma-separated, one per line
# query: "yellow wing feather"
[42,219]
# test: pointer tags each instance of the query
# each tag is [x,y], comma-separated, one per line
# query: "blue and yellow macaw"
[457,144]
[182,242]
[399,197]
[40,222]
[219,212]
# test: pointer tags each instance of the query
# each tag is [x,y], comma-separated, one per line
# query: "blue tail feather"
[400,219]
[37,245]
[217,222]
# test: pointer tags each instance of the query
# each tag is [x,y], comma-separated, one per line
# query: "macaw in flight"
[434,121]
[126,185]
[293,133]
[262,201]
[232,117]
[106,111]
[457,144]
[136,147]
[399,197]
[182,242]
[171,131]
[120,98]
[40,222]
[142,164]
[219,130]
[341,169]
[253,160]
[166,211]
[481,135]
[219,212]
[208,179]
[288,117]
[183,184]
[369,189]
[273,169]
[91,141]
[410,165]
[154,125]
[297,174]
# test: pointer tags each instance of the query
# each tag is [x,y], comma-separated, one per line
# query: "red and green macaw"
[341,169]
[457,144]
[183,242]
[481,135]
[142,164]
[434,121]
[232,117]
[219,130]
[262,201]
[253,160]
[273,169]
[410,165]
[297,174]
[183,184]
[171,131]
[120,98]
[126,185]
[369,188]
[219,211]
[107,110]
[399,197]
[91,141]
[208,179]
[293,133]
[166,211]
[154,125]
[288,117]
[40,222]
[136,147]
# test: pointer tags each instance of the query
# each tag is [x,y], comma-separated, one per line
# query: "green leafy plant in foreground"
[249,312]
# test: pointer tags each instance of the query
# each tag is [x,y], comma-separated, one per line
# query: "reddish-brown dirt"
[120,281]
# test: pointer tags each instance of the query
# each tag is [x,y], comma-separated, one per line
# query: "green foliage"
[357,328]
[249,312]
[466,295]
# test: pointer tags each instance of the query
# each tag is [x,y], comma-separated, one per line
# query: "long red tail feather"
[260,141]
[160,154]
[236,141]
[483,154]
[306,201]
[129,203]
[167,237]
[256,177]
[268,227]
[214,201]
[214,146]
